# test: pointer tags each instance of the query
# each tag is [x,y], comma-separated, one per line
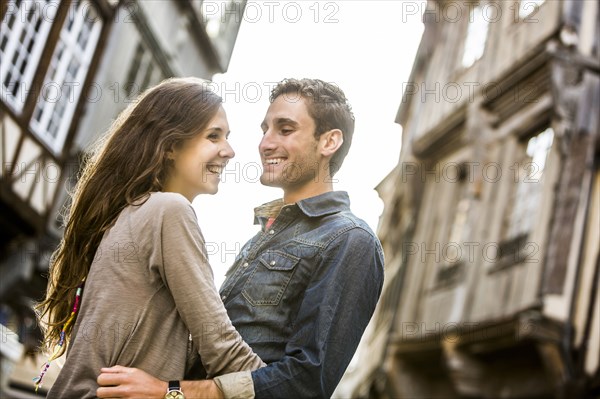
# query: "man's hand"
[132,383]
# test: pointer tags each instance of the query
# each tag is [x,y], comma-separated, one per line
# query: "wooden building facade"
[491,227]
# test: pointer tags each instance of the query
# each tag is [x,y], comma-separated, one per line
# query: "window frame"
[20,24]
[59,65]
[513,243]
[448,273]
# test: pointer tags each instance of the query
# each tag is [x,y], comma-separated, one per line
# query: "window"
[458,232]
[477,31]
[528,173]
[527,7]
[25,28]
[65,76]
[143,72]
[215,15]
[526,195]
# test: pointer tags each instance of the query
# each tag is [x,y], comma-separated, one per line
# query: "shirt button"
[273,263]
[271,232]
[287,209]
[245,264]
[223,297]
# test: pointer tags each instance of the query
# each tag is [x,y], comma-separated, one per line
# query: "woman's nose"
[227,151]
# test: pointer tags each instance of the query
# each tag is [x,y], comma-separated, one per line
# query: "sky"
[366,48]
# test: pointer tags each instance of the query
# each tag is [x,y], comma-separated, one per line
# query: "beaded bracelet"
[61,341]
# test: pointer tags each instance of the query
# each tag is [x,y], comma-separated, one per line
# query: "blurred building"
[492,216]
[68,68]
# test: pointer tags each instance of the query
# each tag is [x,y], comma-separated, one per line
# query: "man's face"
[288,150]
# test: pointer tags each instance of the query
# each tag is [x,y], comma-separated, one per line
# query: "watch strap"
[174,390]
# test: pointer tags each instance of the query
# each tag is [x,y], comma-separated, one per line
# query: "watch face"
[174,395]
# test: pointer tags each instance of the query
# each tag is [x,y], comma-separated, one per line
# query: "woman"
[132,241]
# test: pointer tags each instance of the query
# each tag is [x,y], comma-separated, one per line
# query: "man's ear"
[330,142]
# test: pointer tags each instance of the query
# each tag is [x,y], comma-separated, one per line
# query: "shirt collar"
[324,204]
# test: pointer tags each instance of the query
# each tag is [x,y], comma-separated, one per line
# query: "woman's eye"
[213,136]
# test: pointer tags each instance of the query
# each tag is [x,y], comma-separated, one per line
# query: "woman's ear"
[331,141]
[170,154]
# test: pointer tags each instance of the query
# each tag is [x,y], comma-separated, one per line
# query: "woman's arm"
[189,277]
[126,382]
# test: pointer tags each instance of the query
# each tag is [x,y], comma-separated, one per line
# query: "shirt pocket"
[270,278]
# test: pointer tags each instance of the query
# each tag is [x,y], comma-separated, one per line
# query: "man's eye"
[286,131]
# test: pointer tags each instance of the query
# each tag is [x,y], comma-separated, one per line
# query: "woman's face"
[198,162]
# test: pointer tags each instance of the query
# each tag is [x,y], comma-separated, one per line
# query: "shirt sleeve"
[337,306]
[189,277]
[236,385]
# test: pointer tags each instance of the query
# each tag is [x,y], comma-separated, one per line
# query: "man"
[301,291]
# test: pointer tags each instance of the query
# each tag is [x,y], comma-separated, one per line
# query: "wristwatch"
[174,391]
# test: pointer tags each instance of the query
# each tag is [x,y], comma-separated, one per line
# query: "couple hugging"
[294,304]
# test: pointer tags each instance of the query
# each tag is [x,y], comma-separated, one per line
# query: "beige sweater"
[150,302]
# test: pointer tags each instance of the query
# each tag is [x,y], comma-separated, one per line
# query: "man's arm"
[132,383]
[338,303]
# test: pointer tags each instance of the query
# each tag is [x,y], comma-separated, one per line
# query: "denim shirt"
[301,293]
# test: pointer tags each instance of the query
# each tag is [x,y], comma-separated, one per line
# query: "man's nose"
[267,142]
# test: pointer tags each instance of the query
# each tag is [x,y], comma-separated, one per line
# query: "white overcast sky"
[365,47]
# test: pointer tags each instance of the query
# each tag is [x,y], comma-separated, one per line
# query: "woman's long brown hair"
[129,162]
